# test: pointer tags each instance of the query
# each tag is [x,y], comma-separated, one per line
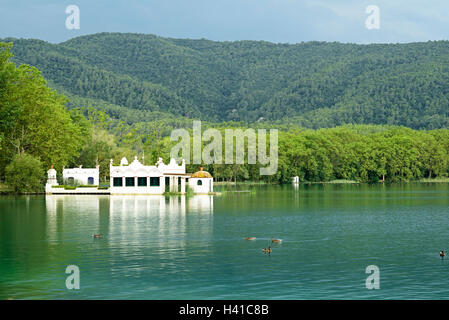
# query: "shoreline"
[4,190]
[339,181]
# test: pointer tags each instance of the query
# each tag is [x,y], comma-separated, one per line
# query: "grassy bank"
[341,181]
[249,183]
[338,181]
[5,189]
[440,179]
[232,183]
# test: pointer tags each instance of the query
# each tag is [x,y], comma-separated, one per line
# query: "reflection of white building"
[66,211]
[153,220]
[122,205]
[84,176]
[84,204]
[160,217]
[201,203]
[134,205]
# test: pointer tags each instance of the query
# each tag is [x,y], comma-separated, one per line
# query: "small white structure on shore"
[83,176]
[295,180]
[201,182]
[51,179]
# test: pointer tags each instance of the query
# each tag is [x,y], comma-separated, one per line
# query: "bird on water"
[266,250]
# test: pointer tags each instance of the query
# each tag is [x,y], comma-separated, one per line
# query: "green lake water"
[156,247]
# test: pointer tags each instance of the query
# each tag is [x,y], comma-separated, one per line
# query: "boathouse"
[137,178]
[133,178]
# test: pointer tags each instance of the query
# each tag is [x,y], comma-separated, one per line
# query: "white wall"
[81,175]
[136,189]
[206,187]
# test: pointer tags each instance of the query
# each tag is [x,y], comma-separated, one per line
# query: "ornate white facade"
[137,178]
[133,178]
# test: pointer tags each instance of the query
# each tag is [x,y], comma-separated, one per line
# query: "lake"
[178,247]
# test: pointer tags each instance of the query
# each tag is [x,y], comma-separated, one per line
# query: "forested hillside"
[311,84]
[119,95]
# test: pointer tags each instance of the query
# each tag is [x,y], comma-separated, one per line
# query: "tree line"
[40,127]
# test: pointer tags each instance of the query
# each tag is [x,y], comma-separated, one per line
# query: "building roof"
[159,169]
[201,174]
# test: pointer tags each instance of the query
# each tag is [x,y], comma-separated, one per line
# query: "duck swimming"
[276,240]
[266,250]
[250,238]
[442,254]
[97,236]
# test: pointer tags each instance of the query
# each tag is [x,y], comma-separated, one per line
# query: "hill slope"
[312,84]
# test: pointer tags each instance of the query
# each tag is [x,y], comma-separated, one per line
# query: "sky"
[279,21]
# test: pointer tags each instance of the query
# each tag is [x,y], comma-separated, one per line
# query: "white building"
[51,180]
[137,178]
[133,178]
[201,182]
[81,176]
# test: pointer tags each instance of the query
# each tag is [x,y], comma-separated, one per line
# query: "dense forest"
[364,113]
[312,85]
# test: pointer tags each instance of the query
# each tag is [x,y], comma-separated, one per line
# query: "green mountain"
[312,84]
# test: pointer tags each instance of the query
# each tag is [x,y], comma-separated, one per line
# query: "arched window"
[200,183]
[90,180]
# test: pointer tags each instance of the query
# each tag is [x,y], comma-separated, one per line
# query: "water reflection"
[155,214]
[193,248]
[129,204]
[202,203]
